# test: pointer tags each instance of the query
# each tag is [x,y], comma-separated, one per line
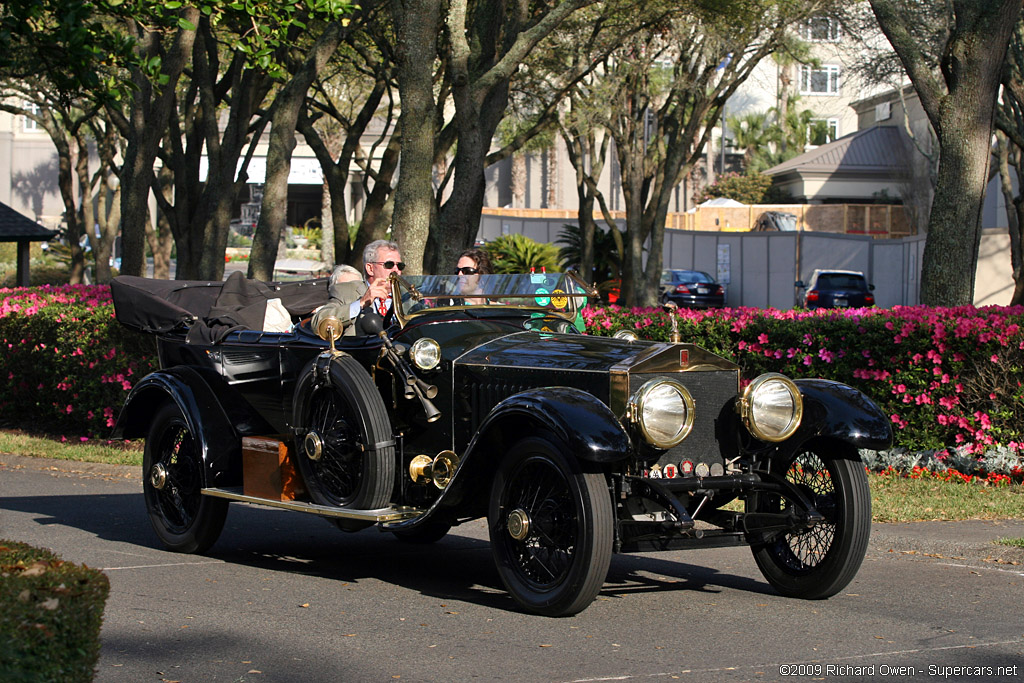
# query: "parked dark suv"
[836,289]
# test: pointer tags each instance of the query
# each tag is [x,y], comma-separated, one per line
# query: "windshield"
[562,294]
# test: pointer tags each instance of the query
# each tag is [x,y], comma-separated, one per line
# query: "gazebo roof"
[14,227]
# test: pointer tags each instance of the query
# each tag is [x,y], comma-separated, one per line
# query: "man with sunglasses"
[380,259]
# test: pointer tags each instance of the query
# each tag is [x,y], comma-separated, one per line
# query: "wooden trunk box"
[268,470]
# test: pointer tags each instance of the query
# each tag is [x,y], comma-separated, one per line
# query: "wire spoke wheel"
[550,527]
[820,561]
[345,453]
[339,468]
[183,518]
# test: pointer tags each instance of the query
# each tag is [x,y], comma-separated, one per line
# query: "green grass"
[110,452]
[894,499]
[1012,542]
[898,499]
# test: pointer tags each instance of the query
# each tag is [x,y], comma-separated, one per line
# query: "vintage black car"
[573,446]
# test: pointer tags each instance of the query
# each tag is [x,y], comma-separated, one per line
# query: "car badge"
[684,357]
[656,472]
[686,467]
[671,471]
[703,470]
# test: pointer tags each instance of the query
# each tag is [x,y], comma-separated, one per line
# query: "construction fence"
[877,220]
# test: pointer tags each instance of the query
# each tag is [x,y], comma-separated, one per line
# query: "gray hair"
[340,272]
[374,247]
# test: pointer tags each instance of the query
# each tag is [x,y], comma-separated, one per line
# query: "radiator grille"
[713,391]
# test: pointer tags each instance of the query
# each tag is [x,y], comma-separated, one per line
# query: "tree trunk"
[1014,210]
[518,178]
[287,107]
[960,101]
[416,23]
[150,112]
[326,225]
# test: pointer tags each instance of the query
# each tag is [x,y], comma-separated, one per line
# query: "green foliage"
[518,254]
[746,189]
[606,252]
[67,363]
[237,240]
[50,616]
[313,236]
[946,377]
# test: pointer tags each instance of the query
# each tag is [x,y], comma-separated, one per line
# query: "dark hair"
[480,258]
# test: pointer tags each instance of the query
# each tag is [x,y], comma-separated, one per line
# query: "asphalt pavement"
[969,539]
[286,597]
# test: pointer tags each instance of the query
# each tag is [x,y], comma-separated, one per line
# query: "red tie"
[383,305]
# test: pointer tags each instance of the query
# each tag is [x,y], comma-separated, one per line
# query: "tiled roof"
[15,227]
[879,149]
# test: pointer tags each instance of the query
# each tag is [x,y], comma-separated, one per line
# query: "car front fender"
[837,410]
[586,426]
[217,440]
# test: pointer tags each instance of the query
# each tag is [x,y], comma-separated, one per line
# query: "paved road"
[287,597]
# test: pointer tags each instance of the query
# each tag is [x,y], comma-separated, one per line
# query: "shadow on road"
[457,567]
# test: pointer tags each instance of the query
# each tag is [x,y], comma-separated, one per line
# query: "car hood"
[586,353]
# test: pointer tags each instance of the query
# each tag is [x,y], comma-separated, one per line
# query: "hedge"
[946,377]
[50,616]
[67,363]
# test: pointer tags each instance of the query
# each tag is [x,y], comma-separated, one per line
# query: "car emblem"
[684,358]
[686,467]
[671,471]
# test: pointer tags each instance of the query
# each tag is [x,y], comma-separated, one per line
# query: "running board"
[391,514]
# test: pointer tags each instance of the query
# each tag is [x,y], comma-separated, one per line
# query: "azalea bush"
[946,377]
[67,364]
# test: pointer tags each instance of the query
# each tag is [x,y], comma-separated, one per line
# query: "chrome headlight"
[425,353]
[663,410]
[628,335]
[771,407]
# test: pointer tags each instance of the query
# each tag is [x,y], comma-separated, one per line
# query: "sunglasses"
[466,270]
[388,265]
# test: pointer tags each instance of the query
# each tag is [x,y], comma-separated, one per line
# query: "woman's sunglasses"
[388,265]
[466,270]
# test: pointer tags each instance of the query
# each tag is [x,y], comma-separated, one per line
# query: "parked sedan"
[836,289]
[691,289]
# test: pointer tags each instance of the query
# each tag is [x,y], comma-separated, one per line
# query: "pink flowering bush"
[947,377]
[66,363]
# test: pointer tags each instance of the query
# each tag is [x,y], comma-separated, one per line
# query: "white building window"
[822,131]
[823,81]
[821,30]
[29,125]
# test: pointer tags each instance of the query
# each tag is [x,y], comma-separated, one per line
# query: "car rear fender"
[217,439]
[838,411]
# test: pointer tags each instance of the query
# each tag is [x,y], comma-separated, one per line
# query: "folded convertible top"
[160,306]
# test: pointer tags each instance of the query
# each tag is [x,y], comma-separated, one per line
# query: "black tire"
[352,468]
[558,559]
[820,562]
[424,534]
[184,519]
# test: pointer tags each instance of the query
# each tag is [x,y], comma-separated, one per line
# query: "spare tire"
[344,445]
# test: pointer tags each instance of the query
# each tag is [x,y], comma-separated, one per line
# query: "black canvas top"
[15,227]
[208,310]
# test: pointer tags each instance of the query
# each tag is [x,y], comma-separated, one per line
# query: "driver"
[350,295]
